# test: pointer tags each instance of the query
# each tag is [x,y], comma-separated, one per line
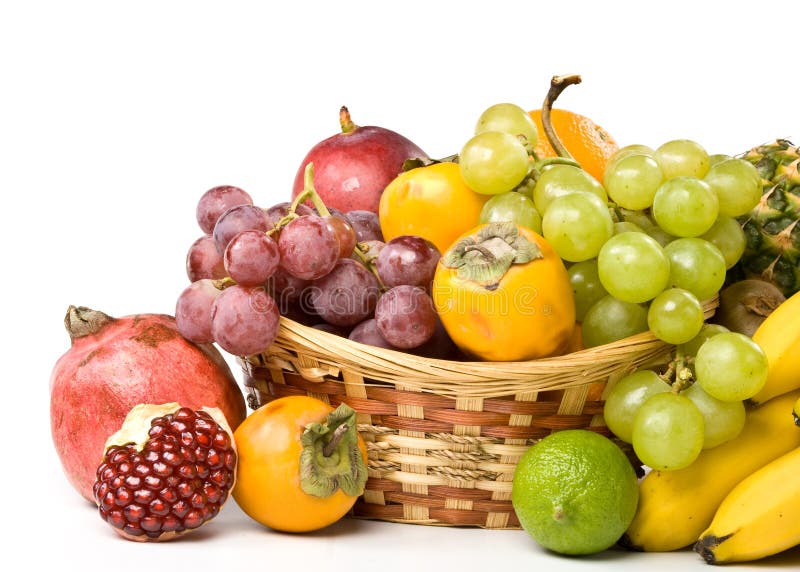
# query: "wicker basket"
[444,436]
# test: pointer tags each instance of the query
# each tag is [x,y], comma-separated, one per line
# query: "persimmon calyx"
[331,459]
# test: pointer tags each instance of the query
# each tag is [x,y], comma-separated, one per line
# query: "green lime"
[575,492]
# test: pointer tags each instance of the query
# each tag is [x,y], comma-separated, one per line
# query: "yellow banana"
[675,507]
[779,337]
[760,517]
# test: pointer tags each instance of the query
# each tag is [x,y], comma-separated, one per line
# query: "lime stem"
[338,434]
[557,84]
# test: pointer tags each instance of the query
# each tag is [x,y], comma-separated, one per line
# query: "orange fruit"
[588,143]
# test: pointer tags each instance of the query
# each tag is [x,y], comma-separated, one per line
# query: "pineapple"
[772,228]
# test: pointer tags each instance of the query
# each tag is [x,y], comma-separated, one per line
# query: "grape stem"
[557,84]
[308,192]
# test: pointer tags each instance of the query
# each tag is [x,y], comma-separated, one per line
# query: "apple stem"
[557,84]
[345,121]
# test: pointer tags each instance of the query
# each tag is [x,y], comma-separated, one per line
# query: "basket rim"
[315,353]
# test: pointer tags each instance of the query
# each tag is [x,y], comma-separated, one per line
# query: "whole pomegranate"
[352,168]
[117,363]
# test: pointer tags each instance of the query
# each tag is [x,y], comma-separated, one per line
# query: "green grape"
[626,397]
[731,367]
[493,162]
[737,185]
[661,236]
[675,316]
[668,432]
[723,420]
[557,180]
[682,158]
[717,158]
[633,180]
[633,267]
[727,235]
[577,225]
[685,206]
[691,347]
[514,207]
[626,226]
[610,319]
[696,265]
[639,218]
[511,119]
[586,286]
[622,152]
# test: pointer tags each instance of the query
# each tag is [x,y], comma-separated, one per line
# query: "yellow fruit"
[676,506]
[779,337]
[760,517]
[433,202]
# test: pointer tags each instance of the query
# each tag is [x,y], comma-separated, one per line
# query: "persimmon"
[503,294]
[302,464]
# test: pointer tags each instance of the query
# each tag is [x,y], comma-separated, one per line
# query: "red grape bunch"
[322,267]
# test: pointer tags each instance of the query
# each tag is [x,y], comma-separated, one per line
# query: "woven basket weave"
[444,437]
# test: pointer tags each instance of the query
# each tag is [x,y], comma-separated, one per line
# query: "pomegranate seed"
[133,482]
[193,519]
[171,523]
[198,500]
[187,471]
[134,512]
[142,469]
[162,469]
[168,495]
[159,508]
[143,496]
[151,523]
[123,497]
[185,489]
[171,458]
[107,501]
[153,483]
[133,529]
[180,509]
[221,441]
[214,460]
[212,492]
[116,518]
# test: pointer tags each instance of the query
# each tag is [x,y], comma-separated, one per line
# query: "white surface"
[114,118]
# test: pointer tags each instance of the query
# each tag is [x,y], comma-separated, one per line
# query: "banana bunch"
[779,337]
[676,507]
[760,516]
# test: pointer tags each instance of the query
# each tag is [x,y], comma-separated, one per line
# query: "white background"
[115,118]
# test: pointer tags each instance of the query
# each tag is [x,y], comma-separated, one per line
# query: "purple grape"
[238,219]
[367,332]
[345,296]
[251,258]
[193,311]
[408,260]
[285,288]
[309,248]
[276,212]
[367,225]
[203,260]
[244,320]
[216,201]
[405,316]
